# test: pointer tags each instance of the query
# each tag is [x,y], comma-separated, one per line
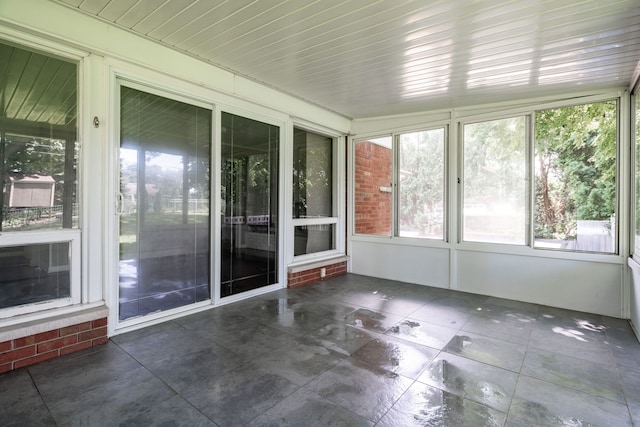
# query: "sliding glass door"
[164,237]
[249,185]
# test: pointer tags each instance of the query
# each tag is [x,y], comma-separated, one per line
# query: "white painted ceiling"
[367,58]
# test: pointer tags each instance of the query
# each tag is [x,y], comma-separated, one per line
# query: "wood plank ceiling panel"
[93,6]
[376,57]
[114,10]
[147,15]
[229,22]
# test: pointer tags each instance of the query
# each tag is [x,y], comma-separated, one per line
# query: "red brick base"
[36,348]
[305,277]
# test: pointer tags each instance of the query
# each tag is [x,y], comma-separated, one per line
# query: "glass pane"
[38,142]
[575,188]
[637,172]
[164,192]
[494,187]
[249,245]
[373,191]
[34,273]
[310,239]
[312,175]
[421,184]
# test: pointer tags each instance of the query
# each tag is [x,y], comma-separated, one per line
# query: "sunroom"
[159,161]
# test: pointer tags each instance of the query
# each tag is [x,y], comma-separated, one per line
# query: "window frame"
[617,244]
[634,142]
[80,291]
[392,186]
[338,204]
[445,183]
[395,180]
[71,236]
[528,143]
[530,113]
[455,118]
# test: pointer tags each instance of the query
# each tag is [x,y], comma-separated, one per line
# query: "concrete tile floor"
[348,351]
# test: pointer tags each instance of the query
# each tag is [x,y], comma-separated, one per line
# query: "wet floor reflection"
[371,320]
[342,338]
[423,333]
[423,405]
[525,413]
[485,384]
[286,359]
[396,356]
[365,390]
[488,350]
[158,284]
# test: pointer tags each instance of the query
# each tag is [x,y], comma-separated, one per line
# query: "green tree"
[421,190]
[575,167]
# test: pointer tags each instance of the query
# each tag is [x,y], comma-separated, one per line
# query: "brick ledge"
[297,268]
[50,323]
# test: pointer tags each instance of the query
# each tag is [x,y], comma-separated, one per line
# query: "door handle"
[119,203]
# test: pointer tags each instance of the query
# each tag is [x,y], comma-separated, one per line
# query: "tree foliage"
[422,182]
[575,167]
[494,159]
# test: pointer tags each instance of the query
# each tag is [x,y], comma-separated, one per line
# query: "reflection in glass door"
[249,240]
[164,239]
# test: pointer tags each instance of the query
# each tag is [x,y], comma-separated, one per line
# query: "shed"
[31,191]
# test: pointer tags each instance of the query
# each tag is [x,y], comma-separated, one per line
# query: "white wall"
[593,287]
[411,264]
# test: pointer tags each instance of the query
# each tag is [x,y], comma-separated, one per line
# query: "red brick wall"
[372,171]
[302,278]
[36,348]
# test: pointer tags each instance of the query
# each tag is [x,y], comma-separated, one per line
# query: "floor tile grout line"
[619,377]
[529,348]
[513,396]
[174,391]
[44,402]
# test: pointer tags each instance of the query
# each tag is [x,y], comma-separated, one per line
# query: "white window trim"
[131,75]
[395,226]
[274,119]
[82,295]
[338,202]
[71,236]
[489,112]
[529,181]
[298,222]
[119,79]
[634,99]
[396,180]
[352,193]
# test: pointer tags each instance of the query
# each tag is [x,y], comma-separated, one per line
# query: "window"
[636,123]
[636,127]
[38,169]
[314,210]
[164,219]
[400,185]
[575,178]
[34,273]
[574,166]
[373,186]
[421,186]
[494,181]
